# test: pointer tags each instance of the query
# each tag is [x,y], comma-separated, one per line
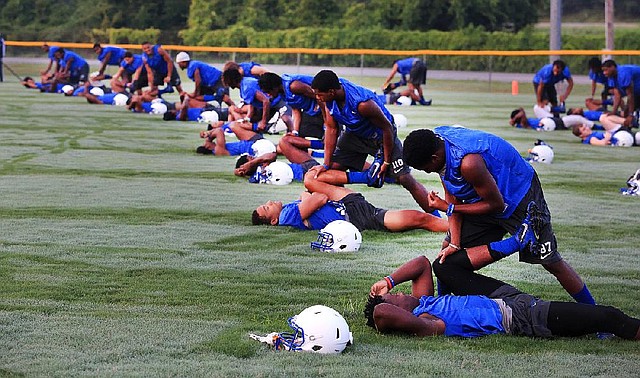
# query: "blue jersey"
[303,103]
[627,74]
[240,147]
[117,53]
[156,61]
[349,116]
[290,215]
[193,114]
[78,62]
[298,171]
[533,122]
[248,89]
[546,75]
[52,51]
[135,64]
[209,75]
[596,134]
[405,65]
[464,316]
[592,115]
[107,98]
[511,172]
[246,68]
[598,77]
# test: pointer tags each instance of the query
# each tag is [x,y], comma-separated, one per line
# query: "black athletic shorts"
[362,214]
[486,228]
[549,93]
[352,151]
[418,73]
[158,80]
[311,126]
[218,90]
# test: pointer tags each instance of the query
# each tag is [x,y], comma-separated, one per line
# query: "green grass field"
[122,253]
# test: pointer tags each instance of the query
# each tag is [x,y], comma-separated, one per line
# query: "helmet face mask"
[338,236]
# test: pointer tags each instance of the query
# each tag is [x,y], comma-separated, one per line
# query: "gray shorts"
[362,214]
[528,313]
[352,151]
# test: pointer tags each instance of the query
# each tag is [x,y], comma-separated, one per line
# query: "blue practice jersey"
[135,64]
[464,316]
[627,74]
[78,61]
[107,98]
[592,115]
[52,51]
[298,171]
[246,68]
[209,75]
[511,172]
[598,77]
[295,101]
[349,116]
[248,89]
[594,135]
[533,122]
[545,74]
[156,61]
[332,210]
[405,65]
[193,114]
[117,53]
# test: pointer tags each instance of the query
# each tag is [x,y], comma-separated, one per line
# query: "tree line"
[82,20]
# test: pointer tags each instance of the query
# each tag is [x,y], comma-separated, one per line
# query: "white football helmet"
[547,124]
[637,138]
[279,173]
[96,91]
[338,236]
[541,153]
[633,185]
[68,89]
[404,101]
[209,116]
[120,99]
[262,146]
[400,120]
[622,138]
[318,329]
[158,108]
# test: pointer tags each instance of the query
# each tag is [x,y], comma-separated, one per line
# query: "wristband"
[454,246]
[325,166]
[390,283]
[450,209]
[386,163]
[294,132]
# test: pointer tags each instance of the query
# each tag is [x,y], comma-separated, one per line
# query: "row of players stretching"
[487,185]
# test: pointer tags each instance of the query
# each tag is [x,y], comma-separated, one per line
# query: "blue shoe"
[372,174]
[604,335]
[529,232]
[425,102]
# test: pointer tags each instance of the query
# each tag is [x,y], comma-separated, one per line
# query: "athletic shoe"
[388,89]
[425,102]
[604,335]
[529,231]
[374,170]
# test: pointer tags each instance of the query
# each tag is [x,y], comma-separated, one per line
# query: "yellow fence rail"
[291,50]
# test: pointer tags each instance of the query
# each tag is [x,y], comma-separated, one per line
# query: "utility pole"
[555,28]
[608,27]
